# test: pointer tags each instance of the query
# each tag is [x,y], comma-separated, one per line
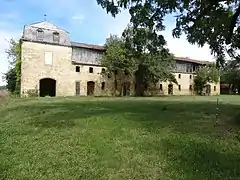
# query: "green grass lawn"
[120,138]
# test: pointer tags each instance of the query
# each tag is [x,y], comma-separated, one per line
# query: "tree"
[203,76]
[212,22]
[231,75]
[116,61]
[13,76]
[139,54]
[153,61]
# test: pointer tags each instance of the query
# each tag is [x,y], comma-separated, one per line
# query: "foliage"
[205,75]
[11,79]
[204,22]
[141,54]
[14,56]
[74,138]
[231,74]
[32,93]
[116,61]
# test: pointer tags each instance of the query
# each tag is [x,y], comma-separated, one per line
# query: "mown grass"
[120,138]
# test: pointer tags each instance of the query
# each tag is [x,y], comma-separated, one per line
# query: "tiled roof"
[88,46]
[186,59]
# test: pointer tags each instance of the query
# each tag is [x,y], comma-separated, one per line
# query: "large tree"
[153,61]
[141,55]
[212,22]
[117,62]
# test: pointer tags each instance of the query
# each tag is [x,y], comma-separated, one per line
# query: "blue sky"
[83,19]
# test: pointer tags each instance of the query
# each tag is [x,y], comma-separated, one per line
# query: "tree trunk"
[140,82]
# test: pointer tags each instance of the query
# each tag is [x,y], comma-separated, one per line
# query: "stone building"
[55,66]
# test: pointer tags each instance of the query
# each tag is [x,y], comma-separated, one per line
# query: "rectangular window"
[77,88]
[190,76]
[103,85]
[77,69]
[48,56]
[179,87]
[179,76]
[90,70]
[161,87]
[215,88]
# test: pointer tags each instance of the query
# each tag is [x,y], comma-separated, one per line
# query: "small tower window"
[179,76]
[40,34]
[90,70]
[190,76]
[103,70]
[77,69]
[56,37]
[214,88]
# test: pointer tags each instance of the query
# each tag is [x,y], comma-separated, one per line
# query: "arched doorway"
[170,89]
[47,87]
[90,88]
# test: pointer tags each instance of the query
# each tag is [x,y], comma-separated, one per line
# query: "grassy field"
[120,138]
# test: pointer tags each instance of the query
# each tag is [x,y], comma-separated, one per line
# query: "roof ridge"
[32,24]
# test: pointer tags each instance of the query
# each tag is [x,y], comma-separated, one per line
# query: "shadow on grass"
[184,117]
[186,158]
[197,160]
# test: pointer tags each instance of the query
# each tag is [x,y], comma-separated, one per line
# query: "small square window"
[179,76]
[215,88]
[190,76]
[161,88]
[179,87]
[103,70]
[103,85]
[77,69]
[90,70]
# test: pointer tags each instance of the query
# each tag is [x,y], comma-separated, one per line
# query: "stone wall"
[63,70]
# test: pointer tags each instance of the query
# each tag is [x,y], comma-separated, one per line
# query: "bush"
[32,93]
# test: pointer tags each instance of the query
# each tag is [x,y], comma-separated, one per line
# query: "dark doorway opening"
[170,89]
[208,89]
[126,89]
[77,84]
[47,87]
[90,88]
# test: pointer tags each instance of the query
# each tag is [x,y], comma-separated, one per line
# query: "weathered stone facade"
[68,64]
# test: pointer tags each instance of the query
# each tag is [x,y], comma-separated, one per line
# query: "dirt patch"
[4,96]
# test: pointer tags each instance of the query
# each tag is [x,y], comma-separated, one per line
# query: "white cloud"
[78,18]
[182,48]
